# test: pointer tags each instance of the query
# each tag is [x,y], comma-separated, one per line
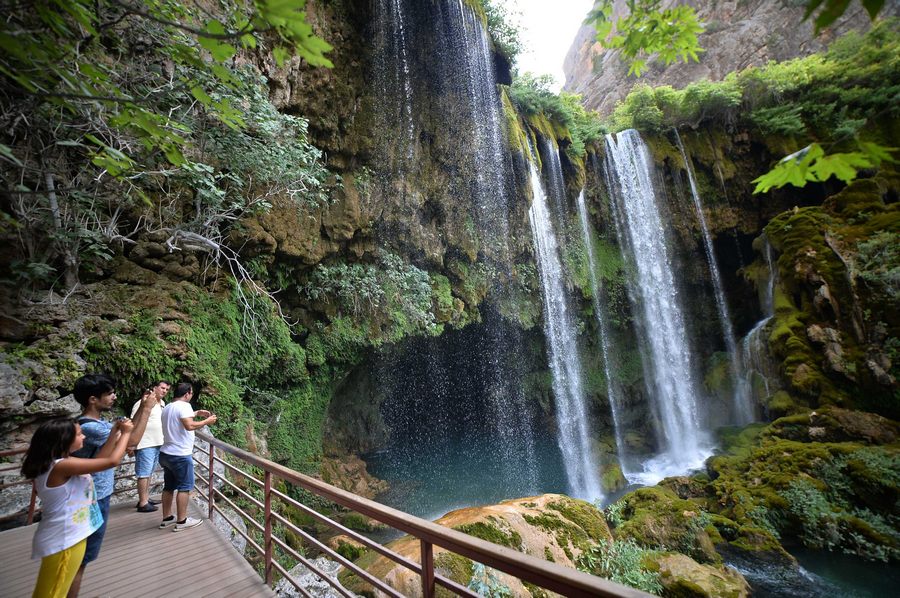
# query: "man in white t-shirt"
[146,455]
[176,455]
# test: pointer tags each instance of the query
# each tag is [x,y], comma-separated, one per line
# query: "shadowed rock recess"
[604,351]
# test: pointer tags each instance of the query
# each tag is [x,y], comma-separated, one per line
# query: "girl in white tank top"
[69,513]
[69,510]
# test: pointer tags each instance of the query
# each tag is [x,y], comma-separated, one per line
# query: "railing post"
[427,570]
[31,505]
[211,490]
[268,529]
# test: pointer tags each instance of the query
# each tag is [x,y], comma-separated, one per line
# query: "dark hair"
[50,441]
[181,389]
[158,382]
[92,385]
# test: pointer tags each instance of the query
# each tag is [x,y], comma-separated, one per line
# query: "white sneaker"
[188,524]
[167,522]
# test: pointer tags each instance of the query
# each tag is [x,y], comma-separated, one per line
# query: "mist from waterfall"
[461,83]
[668,361]
[613,392]
[573,431]
[742,402]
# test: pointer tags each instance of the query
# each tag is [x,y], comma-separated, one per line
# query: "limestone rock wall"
[738,35]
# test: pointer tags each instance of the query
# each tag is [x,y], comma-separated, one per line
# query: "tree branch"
[188,28]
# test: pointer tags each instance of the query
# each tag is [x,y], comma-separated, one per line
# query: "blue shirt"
[96,432]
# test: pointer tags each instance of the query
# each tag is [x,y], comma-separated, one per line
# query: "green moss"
[536,591]
[132,353]
[492,531]
[585,515]
[612,478]
[567,533]
[656,518]
[477,7]
[547,128]
[349,551]
[455,567]
[517,138]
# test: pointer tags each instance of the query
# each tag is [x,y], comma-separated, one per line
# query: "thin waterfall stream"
[573,435]
[742,404]
[757,370]
[612,389]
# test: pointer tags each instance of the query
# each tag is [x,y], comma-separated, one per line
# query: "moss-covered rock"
[657,518]
[552,527]
[682,577]
[833,424]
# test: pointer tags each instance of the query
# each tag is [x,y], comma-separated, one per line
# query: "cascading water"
[571,412]
[474,59]
[742,403]
[461,89]
[667,359]
[757,370]
[392,66]
[612,389]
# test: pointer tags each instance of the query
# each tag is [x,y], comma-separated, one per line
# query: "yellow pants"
[57,572]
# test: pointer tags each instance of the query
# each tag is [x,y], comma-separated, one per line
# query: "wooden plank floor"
[140,560]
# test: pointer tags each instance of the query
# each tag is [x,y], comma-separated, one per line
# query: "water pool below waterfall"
[822,574]
[452,473]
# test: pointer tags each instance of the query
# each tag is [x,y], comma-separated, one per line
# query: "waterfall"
[613,392]
[473,57]
[392,66]
[469,87]
[742,404]
[671,379]
[454,102]
[757,368]
[565,365]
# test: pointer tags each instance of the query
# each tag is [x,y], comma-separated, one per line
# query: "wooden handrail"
[552,576]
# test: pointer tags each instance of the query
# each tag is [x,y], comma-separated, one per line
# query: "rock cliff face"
[738,35]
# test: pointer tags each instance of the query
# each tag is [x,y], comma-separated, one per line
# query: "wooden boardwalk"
[139,560]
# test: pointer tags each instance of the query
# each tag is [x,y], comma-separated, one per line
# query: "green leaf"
[811,6]
[201,95]
[218,50]
[877,153]
[7,153]
[844,166]
[832,11]
[873,7]
[281,54]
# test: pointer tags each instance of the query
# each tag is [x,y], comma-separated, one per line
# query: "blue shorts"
[145,460]
[92,550]
[178,472]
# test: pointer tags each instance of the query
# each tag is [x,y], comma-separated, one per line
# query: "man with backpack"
[96,393]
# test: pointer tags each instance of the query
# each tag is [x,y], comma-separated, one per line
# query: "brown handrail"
[554,577]
[32,502]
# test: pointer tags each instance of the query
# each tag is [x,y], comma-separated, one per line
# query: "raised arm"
[119,437]
[190,424]
[148,402]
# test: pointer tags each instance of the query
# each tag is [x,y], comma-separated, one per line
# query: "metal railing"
[548,575]
[32,509]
